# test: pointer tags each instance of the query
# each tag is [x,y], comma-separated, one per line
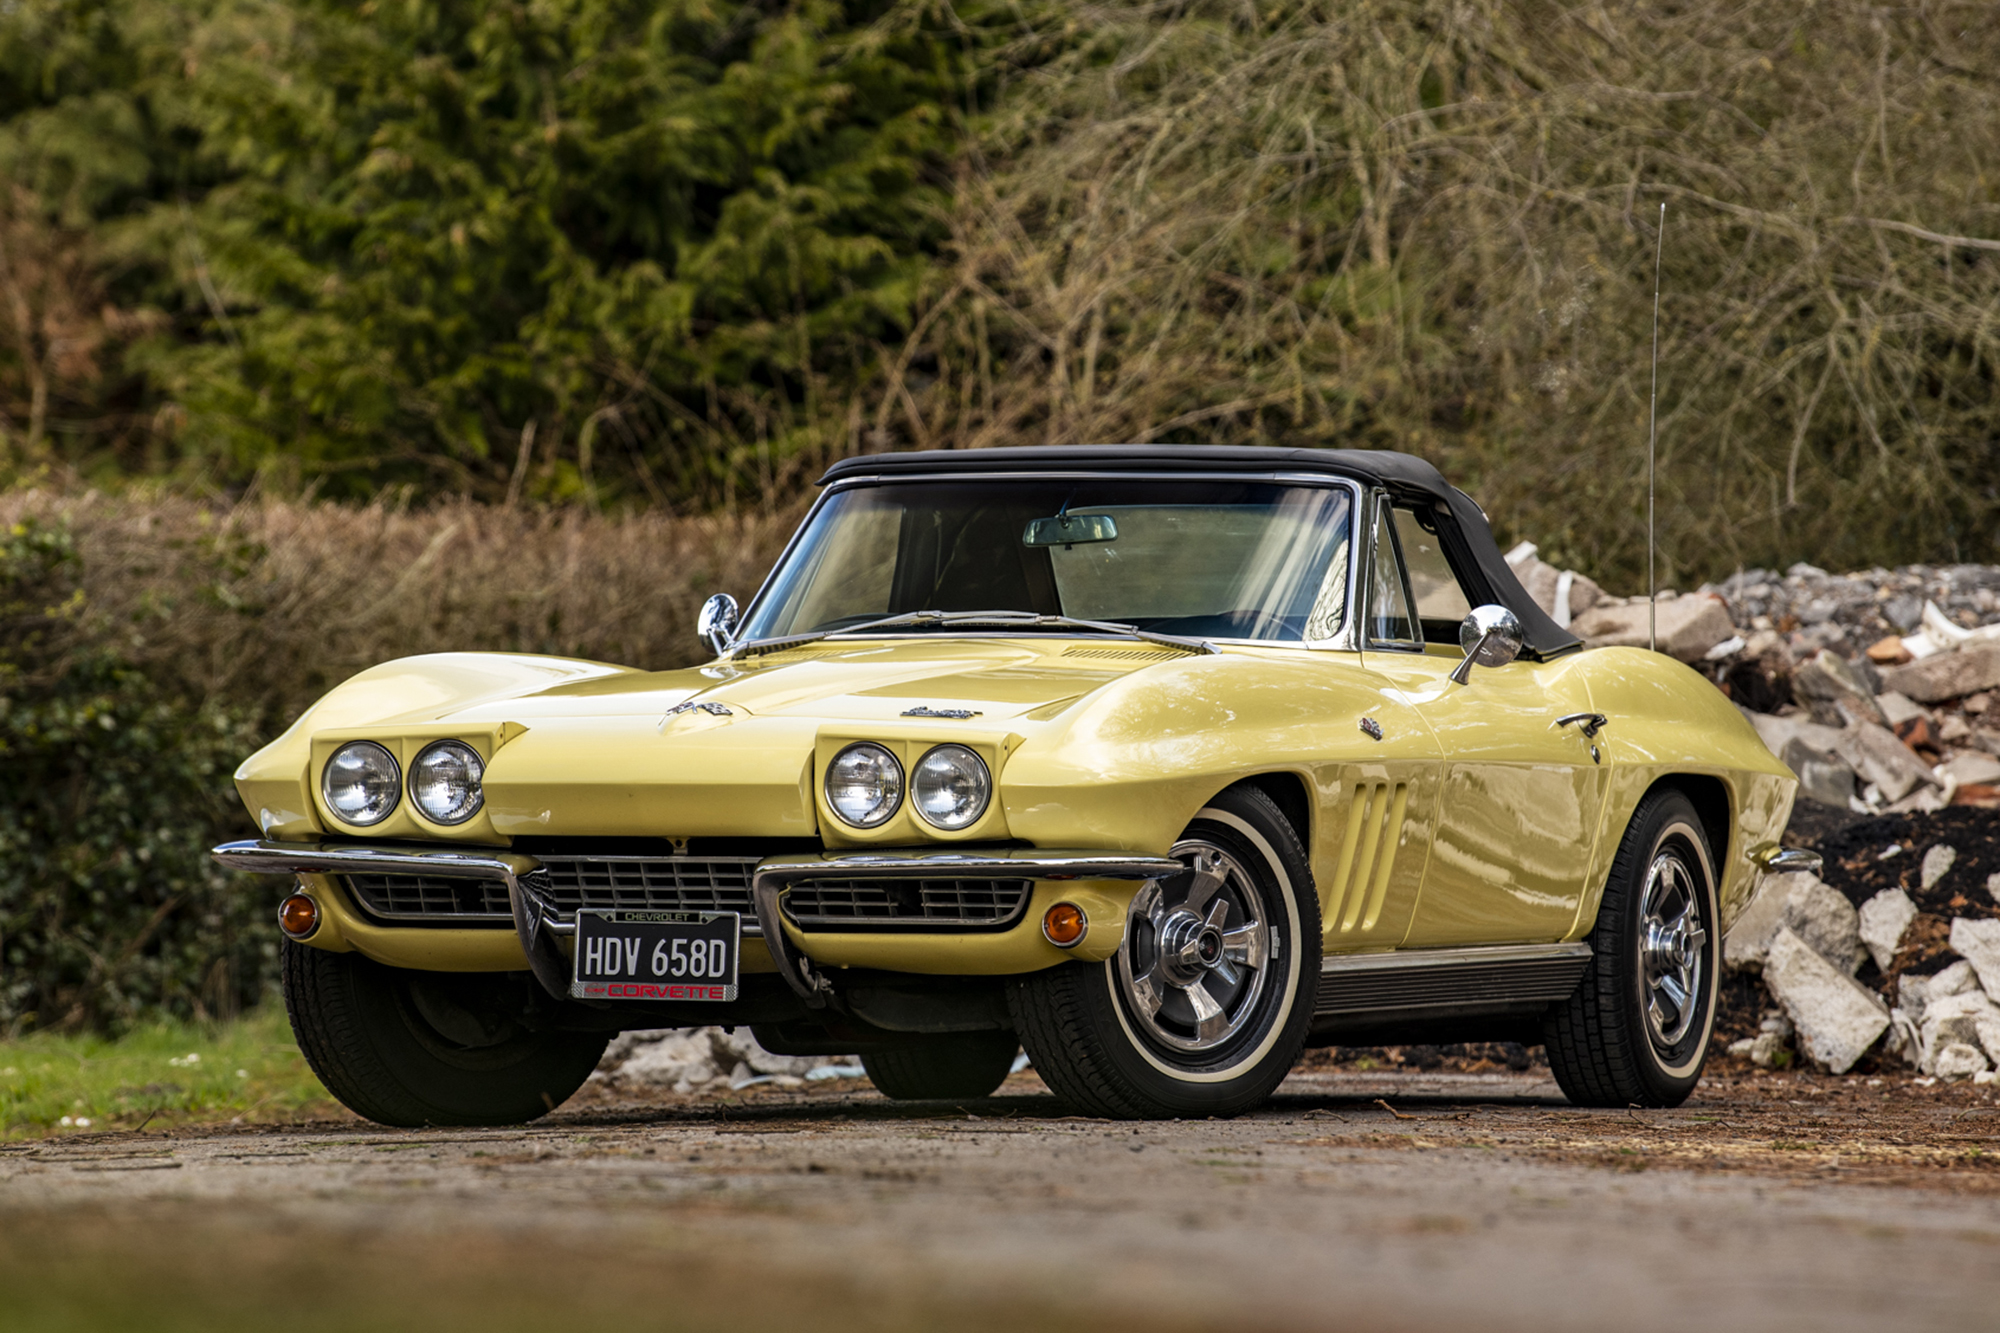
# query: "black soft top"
[1461,524]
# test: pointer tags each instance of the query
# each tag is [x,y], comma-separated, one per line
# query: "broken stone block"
[1937,864]
[1947,675]
[1993,887]
[1688,626]
[1898,708]
[1832,690]
[1959,1061]
[1749,936]
[1978,943]
[1882,921]
[1837,1018]
[1821,777]
[1879,758]
[1820,915]
[1971,768]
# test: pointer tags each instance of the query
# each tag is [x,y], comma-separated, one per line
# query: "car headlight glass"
[864,785]
[444,782]
[361,783]
[951,787]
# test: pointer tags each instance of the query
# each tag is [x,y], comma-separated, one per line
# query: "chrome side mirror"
[717,625]
[1491,637]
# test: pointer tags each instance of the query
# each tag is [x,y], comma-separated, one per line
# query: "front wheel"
[1636,1030]
[1204,1008]
[427,1048]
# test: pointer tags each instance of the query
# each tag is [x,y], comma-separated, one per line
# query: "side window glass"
[1390,624]
[1441,602]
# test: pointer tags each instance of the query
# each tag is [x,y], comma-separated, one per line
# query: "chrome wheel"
[1671,952]
[1196,952]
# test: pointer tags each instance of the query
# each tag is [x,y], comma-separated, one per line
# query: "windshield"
[1228,560]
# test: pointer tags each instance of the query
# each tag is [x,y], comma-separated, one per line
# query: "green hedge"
[111,793]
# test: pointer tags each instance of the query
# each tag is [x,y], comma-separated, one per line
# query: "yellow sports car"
[1162,762]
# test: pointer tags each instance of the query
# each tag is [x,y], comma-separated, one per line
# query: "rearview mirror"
[1069,529]
[1491,637]
[717,624]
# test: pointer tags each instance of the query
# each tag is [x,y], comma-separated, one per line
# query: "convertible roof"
[1411,480]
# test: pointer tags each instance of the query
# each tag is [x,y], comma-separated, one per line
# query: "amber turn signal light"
[298,916]
[1064,924]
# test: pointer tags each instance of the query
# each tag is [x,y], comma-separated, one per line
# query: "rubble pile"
[1881,691]
[711,1059]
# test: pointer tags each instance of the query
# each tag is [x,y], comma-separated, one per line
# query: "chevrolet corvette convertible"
[1160,762]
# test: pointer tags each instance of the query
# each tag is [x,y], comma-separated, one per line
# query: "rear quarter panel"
[1667,720]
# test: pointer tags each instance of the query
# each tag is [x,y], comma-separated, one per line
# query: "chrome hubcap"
[1671,951]
[1193,962]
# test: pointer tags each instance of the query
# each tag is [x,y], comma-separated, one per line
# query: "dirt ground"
[1362,1200]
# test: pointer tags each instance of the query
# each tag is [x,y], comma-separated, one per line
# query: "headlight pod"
[951,787]
[361,783]
[864,785]
[445,782]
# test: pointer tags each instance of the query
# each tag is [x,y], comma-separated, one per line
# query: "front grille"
[970,904]
[695,884]
[431,898]
[652,883]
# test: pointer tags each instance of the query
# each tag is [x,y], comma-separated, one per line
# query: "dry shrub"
[265,605]
[1429,225]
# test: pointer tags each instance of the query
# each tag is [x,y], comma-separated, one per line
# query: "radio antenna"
[1652,441]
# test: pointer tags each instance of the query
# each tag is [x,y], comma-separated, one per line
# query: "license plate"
[656,955]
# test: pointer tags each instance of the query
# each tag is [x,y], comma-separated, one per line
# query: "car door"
[1521,794]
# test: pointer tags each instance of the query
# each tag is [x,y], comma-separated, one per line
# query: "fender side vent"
[1367,855]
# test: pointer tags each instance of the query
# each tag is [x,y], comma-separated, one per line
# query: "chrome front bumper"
[539,924]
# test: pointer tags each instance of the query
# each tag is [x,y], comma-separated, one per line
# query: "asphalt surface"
[1358,1201]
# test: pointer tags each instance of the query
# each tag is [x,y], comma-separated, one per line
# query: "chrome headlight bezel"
[885,807]
[476,766]
[941,766]
[392,785]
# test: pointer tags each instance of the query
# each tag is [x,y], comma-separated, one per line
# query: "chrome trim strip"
[1404,960]
[775,875]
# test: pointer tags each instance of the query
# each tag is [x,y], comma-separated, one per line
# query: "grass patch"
[166,1073]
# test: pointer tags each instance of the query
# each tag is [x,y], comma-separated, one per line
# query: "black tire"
[1608,1044]
[426,1048]
[958,1067]
[1106,1049]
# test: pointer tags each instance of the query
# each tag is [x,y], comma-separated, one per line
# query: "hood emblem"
[1371,728]
[719,710]
[956,714]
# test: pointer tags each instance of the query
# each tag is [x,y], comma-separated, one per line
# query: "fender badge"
[956,714]
[1371,728]
[719,710]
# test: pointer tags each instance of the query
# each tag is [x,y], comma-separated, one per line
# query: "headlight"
[444,782]
[951,787]
[864,785]
[361,784]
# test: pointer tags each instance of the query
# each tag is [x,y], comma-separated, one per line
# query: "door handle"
[1592,723]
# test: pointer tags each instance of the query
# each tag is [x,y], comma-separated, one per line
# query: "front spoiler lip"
[538,924]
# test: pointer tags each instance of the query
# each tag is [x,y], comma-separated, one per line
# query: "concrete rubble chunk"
[1688,626]
[1947,675]
[1820,915]
[1937,864]
[1968,1018]
[1879,758]
[1821,777]
[1779,732]
[1749,936]
[1971,768]
[1958,1061]
[1993,887]
[1978,943]
[1883,919]
[1832,690]
[686,1059]
[1897,708]
[1836,1017]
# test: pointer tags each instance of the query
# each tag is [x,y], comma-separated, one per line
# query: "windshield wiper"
[1013,619]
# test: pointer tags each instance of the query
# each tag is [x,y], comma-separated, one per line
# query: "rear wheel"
[963,1065]
[1205,1006]
[1636,1030]
[427,1048]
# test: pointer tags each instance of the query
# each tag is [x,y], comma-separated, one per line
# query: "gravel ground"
[1363,1200]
